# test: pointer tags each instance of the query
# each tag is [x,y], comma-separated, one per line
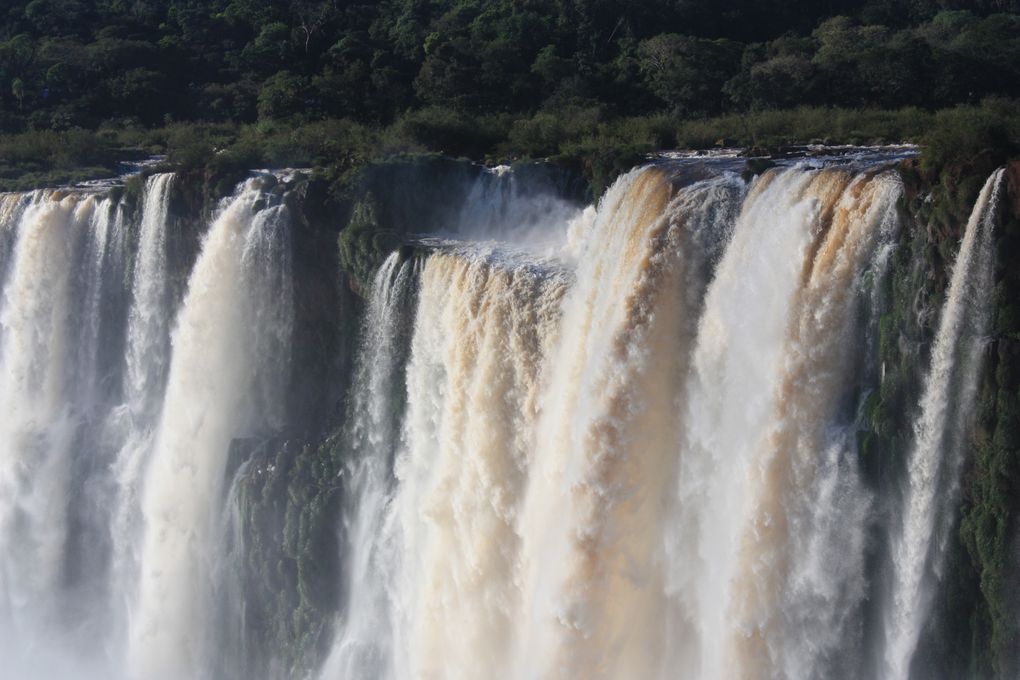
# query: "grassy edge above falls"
[587,138]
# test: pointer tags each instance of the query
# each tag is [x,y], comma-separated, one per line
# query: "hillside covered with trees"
[475,78]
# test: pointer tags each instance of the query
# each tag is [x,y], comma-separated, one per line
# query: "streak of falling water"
[591,571]
[148,349]
[935,460]
[147,355]
[363,645]
[729,402]
[37,428]
[226,379]
[483,329]
[801,563]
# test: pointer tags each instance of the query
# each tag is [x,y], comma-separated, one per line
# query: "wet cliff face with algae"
[990,525]
[974,627]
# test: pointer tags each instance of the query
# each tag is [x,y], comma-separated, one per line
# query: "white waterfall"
[225,379]
[934,462]
[363,646]
[147,354]
[624,441]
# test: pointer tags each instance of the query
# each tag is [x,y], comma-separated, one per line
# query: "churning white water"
[50,323]
[85,335]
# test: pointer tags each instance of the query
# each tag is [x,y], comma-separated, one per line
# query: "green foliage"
[805,125]
[364,243]
[194,146]
[688,73]
[315,82]
[964,133]
[447,131]
[31,159]
[282,95]
[68,63]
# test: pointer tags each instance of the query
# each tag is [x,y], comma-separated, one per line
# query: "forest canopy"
[475,76]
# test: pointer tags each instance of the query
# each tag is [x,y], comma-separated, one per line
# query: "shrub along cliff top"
[329,82]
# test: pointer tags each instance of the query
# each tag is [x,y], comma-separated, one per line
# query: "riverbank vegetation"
[594,82]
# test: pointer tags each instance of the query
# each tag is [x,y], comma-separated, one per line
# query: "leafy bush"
[448,131]
[965,132]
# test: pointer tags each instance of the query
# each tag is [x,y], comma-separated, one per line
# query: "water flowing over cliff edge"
[719,425]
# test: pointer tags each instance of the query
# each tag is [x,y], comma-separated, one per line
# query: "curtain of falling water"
[801,556]
[62,252]
[551,542]
[633,457]
[147,354]
[482,328]
[363,646]
[227,377]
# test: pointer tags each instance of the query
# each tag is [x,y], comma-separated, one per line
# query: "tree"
[311,16]
[282,95]
[18,90]
[688,73]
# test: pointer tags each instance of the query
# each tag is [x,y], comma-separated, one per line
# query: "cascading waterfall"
[148,336]
[86,317]
[623,442]
[226,378]
[484,322]
[62,269]
[147,353]
[731,399]
[363,645]
[608,437]
[801,557]
[946,406]
[685,344]
[37,429]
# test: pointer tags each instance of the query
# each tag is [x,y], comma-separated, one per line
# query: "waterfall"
[225,379]
[652,437]
[63,260]
[801,555]
[502,206]
[363,646]
[36,431]
[148,337]
[658,471]
[593,578]
[147,353]
[946,407]
[484,321]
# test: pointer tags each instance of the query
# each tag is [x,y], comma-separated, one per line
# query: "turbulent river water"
[615,441]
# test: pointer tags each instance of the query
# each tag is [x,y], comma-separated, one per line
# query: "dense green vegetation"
[976,635]
[328,82]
